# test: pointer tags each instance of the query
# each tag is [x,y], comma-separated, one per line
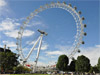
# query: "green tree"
[21,69]
[82,64]
[8,60]
[94,69]
[98,65]
[62,63]
[72,65]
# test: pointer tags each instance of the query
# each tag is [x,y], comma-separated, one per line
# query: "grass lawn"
[28,74]
[34,74]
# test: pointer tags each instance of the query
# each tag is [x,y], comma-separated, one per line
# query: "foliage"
[72,65]
[8,60]
[82,64]
[21,69]
[98,65]
[62,63]
[94,69]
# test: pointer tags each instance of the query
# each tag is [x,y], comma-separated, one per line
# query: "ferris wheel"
[78,37]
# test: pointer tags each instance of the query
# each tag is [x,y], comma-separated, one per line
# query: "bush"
[21,69]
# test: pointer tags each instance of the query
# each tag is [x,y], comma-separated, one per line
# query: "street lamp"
[4,47]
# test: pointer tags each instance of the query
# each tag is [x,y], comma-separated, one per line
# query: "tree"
[94,69]
[98,65]
[82,64]
[72,65]
[62,63]
[21,69]
[8,60]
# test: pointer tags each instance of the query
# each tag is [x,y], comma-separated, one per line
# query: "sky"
[58,23]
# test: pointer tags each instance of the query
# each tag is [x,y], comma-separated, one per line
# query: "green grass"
[34,74]
[28,74]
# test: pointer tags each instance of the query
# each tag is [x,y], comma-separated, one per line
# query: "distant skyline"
[58,23]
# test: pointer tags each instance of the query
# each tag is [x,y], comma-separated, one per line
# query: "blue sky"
[58,23]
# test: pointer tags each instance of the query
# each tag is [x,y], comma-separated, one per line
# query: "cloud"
[38,63]
[59,50]
[43,47]
[10,28]
[2,3]
[34,23]
[43,58]
[46,63]
[98,46]
[64,48]
[14,33]
[41,63]
[4,8]
[93,53]
[28,33]
[52,63]
[37,23]
[10,44]
[8,24]
[54,53]
[30,43]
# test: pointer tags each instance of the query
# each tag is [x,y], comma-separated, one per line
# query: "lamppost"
[4,48]
[4,57]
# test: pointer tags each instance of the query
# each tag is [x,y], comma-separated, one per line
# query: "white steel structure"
[68,7]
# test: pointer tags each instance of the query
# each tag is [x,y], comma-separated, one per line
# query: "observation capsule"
[83,18]
[78,51]
[36,10]
[41,7]
[19,33]
[70,5]
[80,12]
[27,17]
[64,2]
[85,25]
[24,22]
[46,4]
[58,2]
[75,7]
[21,27]
[17,38]
[21,60]
[85,33]
[24,61]
[16,43]
[83,42]
[17,49]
